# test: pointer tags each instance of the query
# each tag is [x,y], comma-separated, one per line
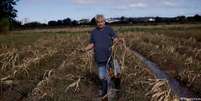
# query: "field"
[46,64]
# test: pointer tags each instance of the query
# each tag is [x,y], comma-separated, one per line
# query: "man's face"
[100,23]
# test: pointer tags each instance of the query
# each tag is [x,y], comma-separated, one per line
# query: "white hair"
[99,16]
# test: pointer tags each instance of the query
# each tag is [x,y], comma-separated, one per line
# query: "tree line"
[117,21]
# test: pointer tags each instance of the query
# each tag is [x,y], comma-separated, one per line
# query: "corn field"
[48,65]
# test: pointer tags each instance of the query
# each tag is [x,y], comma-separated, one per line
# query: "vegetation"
[196,19]
[7,14]
[47,64]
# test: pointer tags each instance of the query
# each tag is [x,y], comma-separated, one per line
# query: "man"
[101,40]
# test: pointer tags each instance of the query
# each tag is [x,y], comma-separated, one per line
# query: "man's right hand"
[83,50]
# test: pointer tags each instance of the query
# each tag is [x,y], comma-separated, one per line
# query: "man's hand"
[89,47]
[118,40]
[83,50]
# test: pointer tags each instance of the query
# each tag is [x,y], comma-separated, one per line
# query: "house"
[84,21]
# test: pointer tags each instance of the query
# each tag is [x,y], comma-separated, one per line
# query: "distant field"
[40,64]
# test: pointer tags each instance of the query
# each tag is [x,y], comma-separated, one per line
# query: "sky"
[45,10]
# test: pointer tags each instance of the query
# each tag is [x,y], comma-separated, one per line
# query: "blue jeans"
[103,76]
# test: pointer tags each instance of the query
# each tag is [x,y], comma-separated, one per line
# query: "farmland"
[46,64]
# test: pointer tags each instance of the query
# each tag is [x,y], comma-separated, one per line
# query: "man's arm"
[89,47]
[91,43]
[115,40]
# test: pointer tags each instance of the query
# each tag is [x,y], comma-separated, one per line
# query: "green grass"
[19,39]
[179,31]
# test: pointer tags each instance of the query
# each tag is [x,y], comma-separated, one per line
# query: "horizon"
[46,10]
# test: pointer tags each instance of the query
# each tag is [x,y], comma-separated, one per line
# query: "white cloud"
[120,7]
[85,1]
[169,3]
[138,5]
[128,4]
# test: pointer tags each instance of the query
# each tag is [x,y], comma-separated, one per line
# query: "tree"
[15,24]
[59,22]
[123,19]
[180,18]
[67,21]
[52,23]
[34,24]
[197,17]
[158,19]
[93,21]
[74,22]
[7,13]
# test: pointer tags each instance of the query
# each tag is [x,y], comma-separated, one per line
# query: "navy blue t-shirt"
[103,40]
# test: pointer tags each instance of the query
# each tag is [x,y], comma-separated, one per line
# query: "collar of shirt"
[101,29]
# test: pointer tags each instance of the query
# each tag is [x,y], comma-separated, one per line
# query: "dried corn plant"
[74,85]
[133,73]
[167,51]
[68,76]
[42,90]
[8,59]
[189,77]
[161,91]
[27,62]
[87,58]
[44,87]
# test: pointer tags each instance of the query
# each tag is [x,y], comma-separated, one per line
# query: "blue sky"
[45,10]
